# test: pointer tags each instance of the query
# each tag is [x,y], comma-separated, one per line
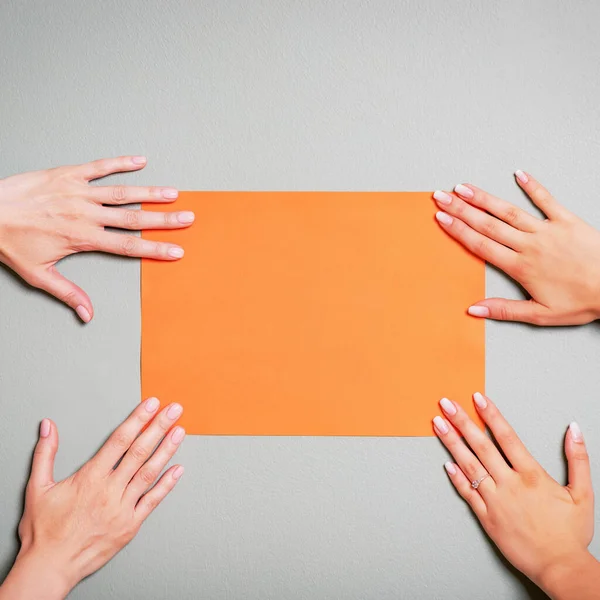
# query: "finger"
[466,460]
[148,502]
[501,309]
[143,447]
[491,251]
[505,211]
[107,166]
[42,466]
[506,437]
[541,197]
[481,445]
[480,220]
[55,284]
[121,194]
[463,487]
[148,473]
[123,436]
[130,245]
[580,476]
[141,219]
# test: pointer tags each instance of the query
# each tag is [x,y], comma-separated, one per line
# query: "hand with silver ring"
[543,528]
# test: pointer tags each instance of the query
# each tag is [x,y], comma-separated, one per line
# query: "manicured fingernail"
[442,197]
[186,217]
[83,313]
[464,191]
[176,252]
[139,160]
[174,411]
[443,218]
[479,400]
[576,434]
[177,435]
[448,406]
[479,311]
[152,404]
[178,472]
[450,468]
[521,176]
[440,425]
[170,193]
[45,428]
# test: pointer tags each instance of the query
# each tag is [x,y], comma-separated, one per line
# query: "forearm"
[576,579]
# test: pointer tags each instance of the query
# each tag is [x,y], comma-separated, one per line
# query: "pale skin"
[556,260]
[48,215]
[73,527]
[543,528]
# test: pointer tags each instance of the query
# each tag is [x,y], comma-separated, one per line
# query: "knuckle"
[129,245]
[169,218]
[489,228]
[132,219]
[120,440]
[505,313]
[139,453]
[580,456]
[69,298]
[511,216]
[530,478]
[459,208]
[481,247]
[147,476]
[506,439]
[472,471]
[118,194]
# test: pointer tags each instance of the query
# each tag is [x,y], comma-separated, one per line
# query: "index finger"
[107,166]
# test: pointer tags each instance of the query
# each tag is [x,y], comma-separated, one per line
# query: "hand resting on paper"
[48,215]
[556,260]
[72,528]
[541,527]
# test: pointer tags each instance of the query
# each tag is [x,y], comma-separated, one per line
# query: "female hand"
[72,528]
[48,215]
[557,260]
[541,527]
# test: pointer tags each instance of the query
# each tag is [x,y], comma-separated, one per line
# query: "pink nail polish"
[521,176]
[174,411]
[177,435]
[176,252]
[443,218]
[170,193]
[448,406]
[450,468]
[464,191]
[442,197]
[44,428]
[186,217]
[479,311]
[480,400]
[440,425]
[83,313]
[576,434]
[139,160]
[178,472]
[152,404]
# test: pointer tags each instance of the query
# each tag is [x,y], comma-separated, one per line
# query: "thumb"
[526,311]
[51,281]
[42,466]
[580,478]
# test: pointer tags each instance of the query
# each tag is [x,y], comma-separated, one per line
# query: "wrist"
[558,578]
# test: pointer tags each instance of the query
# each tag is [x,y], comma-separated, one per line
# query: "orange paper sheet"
[311,313]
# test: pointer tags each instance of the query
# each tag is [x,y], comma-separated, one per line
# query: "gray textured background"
[273,94]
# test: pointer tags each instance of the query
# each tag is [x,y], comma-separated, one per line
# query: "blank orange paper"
[311,313]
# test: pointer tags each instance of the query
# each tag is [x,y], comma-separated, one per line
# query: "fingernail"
[152,404]
[521,176]
[186,217]
[177,435]
[479,311]
[448,406]
[178,472]
[170,193]
[83,313]
[176,252]
[45,428]
[442,197]
[139,160]
[174,411]
[440,425]
[464,191]
[479,400]
[576,434]
[443,218]
[450,468]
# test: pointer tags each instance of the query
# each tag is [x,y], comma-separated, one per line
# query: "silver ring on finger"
[477,482]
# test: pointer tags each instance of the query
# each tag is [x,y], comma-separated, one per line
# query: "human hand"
[541,527]
[48,215]
[557,260]
[72,528]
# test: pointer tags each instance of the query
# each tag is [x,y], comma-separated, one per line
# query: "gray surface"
[290,95]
